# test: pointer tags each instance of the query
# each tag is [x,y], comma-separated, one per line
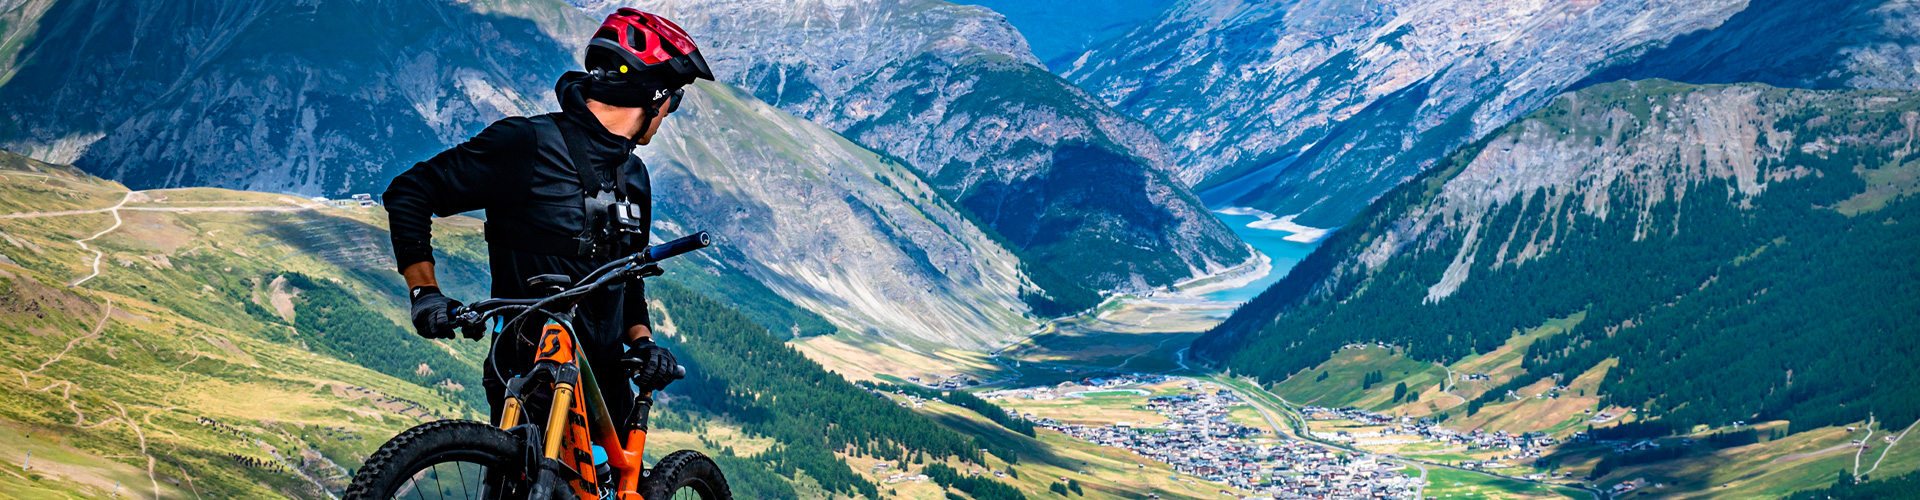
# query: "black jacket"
[526,182]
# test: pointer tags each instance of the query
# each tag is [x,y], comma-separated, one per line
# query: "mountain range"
[1732,252]
[953,92]
[1687,219]
[315,98]
[1317,108]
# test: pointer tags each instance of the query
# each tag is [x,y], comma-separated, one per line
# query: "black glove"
[433,313]
[652,366]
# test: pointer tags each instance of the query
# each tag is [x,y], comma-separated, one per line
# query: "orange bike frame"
[567,428]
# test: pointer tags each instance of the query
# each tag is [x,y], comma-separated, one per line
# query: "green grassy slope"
[171,370]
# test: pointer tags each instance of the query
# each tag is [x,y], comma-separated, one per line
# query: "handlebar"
[678,247]
[638,265]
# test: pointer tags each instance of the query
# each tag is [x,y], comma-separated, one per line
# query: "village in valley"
[1210,436]
[1199,439]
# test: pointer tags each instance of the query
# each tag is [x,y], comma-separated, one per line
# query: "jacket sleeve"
[478,174]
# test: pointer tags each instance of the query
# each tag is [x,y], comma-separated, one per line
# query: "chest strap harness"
[608,215]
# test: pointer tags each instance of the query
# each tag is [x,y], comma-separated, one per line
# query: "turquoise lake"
[1285,255]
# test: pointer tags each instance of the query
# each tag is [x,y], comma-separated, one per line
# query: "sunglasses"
[673,100]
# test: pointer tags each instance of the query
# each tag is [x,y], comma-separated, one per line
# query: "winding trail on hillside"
[1889,448]
[137,433]
[98,327]
[1448,388]
[67,391]
[80,419]
[1861,449]
[97,254]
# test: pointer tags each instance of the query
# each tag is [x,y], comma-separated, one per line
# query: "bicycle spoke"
[439,490]
[461,468]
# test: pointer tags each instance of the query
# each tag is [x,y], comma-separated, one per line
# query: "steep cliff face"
[1714,239]
[953,92]
[1818,44]
[1318,107]
[832,226]
[313,98]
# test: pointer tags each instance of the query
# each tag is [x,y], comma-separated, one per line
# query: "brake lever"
[649,271]
[472,324]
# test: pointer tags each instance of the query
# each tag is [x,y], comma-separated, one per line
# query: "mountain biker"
[564,194]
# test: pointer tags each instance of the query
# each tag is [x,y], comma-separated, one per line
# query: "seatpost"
[642,409]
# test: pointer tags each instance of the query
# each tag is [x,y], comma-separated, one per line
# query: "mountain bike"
[521,459]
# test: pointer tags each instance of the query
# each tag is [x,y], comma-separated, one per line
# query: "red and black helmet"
[642,48]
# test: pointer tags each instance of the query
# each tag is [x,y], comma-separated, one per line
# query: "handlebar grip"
[679,372]
[674,248]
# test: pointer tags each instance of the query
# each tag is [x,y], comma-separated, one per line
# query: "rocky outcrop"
[1319,107]
[1816,44]
[953,92]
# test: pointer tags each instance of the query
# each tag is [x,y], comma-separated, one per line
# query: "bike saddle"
[549,284]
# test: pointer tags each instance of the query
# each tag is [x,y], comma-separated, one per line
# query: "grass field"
[1450,483]
[1341,385]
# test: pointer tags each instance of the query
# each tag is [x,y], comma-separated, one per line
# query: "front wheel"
[685,475]
[450,459]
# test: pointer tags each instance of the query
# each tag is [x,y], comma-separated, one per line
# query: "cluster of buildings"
[361,200]
[1199,440]
[1090,384]
[956,381]
[1521,446]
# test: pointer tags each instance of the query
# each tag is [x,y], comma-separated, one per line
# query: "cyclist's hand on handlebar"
[472,330]
[432,313]
[652,366]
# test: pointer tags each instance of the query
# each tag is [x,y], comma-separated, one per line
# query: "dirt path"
[1889,448]
[97,328]
[97,254]
[137,433]
[1448,389]
[67,387]
[79,417]
[117,221]
[1864,442]
[1797,456]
